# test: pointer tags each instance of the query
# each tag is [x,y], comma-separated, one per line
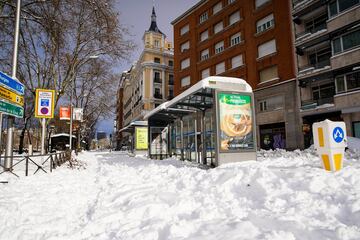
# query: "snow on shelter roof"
[62,135]
[213,82]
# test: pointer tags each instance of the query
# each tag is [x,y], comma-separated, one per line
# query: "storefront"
[272,136]
[210,123]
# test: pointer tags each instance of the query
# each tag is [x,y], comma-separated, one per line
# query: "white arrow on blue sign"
[11,83]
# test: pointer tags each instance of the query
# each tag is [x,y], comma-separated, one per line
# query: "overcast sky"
[136,15]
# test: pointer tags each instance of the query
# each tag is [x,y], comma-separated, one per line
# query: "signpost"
[44,108]
[11,109]
[10,96]
[64,113]
[11,83]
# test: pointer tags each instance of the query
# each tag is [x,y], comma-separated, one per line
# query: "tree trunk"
[22,136]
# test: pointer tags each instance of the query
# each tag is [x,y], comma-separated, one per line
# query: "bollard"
[330,143]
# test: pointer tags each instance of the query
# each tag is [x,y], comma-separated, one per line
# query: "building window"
[185,63]
[337,6]
[185,46]
[346,42]
[157,78]
[320,58]
[184,29]
[204,54]
[171,79]
[268,74]
[271,103]
[267,48]
[204,35]
[217,7]
[157,93]
[265,23]
[185,81]
[262,105]
[220,68]
[235,17]
[205,73]
[218,27]
[157,43]
[203,17]
[219,47]
[171,92]
[348,82]
[237,61]
[235,39]
[231,1]
[171,63]
[356,129]
[259,3]
[323,93]
[316,24]
[156,60]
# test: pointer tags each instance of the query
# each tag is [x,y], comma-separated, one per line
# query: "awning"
[199,97]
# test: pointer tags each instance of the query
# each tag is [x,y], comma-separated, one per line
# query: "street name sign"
[10,96]
[11,109]
[11,84]
[44,103]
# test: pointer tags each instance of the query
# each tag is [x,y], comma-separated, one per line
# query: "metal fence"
[35,163]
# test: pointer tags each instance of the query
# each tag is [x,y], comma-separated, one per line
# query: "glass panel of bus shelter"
[155,148]
[178,138]
[189,138]
[209,137]
[164,142]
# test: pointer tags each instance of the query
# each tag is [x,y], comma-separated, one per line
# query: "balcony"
[346,58]
[317,65]
[158,96]
[157,80]
[311,104]
[321,27]
[344,18]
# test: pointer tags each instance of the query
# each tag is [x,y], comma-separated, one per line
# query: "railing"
[36,163]
[157,80]
[158,96]
[309,104]
[316,65]
[311,31]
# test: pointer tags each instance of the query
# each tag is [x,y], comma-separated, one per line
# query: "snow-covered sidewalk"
[284,195]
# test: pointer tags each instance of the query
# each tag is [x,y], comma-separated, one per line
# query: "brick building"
[251,40]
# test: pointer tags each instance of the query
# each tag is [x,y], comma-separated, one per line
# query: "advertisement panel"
[64,113]
[235,122]
[44,103]
[141,138]
[78,114]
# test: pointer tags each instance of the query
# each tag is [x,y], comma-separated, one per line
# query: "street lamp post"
[10,121]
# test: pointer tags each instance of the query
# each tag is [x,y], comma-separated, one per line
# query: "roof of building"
[153,26]
[197,5]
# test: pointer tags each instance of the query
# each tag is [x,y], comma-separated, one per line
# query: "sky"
[136,15]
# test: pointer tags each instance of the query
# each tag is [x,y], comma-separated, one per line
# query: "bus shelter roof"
[133,124]
[199,97]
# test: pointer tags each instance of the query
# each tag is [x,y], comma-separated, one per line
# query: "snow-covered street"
[284,195]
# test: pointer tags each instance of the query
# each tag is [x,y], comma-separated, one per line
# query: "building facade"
[327,40]
[251,40]
[149,82]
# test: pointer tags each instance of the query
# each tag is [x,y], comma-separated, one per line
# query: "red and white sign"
[64,113]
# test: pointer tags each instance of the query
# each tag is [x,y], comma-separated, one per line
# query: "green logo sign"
[11,109]
[234,99]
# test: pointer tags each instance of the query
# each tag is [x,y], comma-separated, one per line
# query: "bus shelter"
[212,123]
[136,139]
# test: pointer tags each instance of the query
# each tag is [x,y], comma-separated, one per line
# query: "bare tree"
[58,40]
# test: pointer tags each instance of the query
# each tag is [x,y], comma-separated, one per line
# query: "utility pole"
[10,120]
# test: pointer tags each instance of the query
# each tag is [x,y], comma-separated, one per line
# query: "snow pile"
[283,196]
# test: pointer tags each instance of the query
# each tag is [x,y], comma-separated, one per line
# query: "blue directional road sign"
[11,83]
[338,134]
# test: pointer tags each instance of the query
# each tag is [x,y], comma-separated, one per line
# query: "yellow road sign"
[10,96]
